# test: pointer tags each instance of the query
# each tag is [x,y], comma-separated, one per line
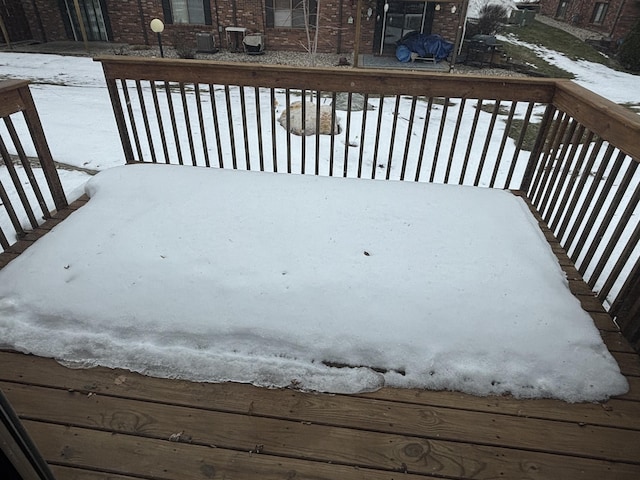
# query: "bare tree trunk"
[312,44]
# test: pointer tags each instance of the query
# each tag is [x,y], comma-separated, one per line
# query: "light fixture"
[454,9]
[157,26]
[437,7]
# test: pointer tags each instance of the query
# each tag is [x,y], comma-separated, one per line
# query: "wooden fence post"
[42,149]
[626,308]
[538,148]
[125,140]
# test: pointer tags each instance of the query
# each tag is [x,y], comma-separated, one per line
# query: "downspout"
[234,9]
[340,17]
[618,14]
[143,23]
[264,17]
[218,24]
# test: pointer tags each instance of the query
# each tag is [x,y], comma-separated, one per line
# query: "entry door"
[93,16]
[401,17]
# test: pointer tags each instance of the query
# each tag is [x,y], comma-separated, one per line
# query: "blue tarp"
[424,46]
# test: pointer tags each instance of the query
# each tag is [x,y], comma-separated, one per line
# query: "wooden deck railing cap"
[11,100]
[12,84]
[614,123]
[338,79]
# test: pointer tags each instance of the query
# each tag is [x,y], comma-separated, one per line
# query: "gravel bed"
[301,59]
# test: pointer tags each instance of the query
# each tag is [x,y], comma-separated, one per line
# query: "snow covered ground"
[619,87]
[273,279]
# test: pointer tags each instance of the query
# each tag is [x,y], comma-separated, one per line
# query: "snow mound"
[328,284]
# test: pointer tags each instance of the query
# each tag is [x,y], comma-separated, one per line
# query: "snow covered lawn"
[275,279]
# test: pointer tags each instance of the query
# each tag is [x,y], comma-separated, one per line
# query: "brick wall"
[45,20]
[620,17]
[445,23]
[130,21]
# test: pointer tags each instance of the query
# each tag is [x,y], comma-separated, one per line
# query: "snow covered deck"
[102,423]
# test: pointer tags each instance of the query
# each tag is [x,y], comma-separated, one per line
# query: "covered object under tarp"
[423,46]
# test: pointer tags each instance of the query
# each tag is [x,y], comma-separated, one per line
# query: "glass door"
[400,17]
[93,18]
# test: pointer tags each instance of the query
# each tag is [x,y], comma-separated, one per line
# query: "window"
[562,9]
[187,11]
[599,12]
[290,13]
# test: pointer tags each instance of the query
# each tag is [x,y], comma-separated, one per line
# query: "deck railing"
[31,186]
[572,153]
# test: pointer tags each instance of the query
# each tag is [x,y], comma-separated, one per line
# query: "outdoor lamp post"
[158,27]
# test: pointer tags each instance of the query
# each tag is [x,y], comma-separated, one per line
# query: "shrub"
[629,55]
[184,48]
[490,18]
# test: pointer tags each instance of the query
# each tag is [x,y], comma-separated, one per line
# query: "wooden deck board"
[429,433]
[100,423]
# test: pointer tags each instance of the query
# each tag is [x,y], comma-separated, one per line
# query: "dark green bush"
[184,48]
[629,54]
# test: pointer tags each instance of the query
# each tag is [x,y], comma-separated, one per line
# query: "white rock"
[296,125]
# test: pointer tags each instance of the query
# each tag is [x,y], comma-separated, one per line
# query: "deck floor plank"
[383,432]
[71,473]
[33,370]
[326,436]
[163,459]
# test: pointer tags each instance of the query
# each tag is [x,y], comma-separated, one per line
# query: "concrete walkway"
[65,48]
[580,33]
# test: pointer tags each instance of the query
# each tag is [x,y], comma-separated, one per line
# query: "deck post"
[626,308]
[118,113]
[536,153]
[42,149]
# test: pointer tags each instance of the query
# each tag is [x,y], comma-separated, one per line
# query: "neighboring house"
[282,22]
[18,28]
[612,19]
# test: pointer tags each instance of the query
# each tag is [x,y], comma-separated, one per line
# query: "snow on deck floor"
[216,275]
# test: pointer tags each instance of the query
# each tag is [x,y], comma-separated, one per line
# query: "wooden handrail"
[11,99]
[616,124]
[377,82]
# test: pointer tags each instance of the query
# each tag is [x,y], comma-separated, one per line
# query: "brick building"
[612,19]
[282,22]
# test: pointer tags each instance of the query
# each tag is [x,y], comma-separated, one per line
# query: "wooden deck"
[113,424]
